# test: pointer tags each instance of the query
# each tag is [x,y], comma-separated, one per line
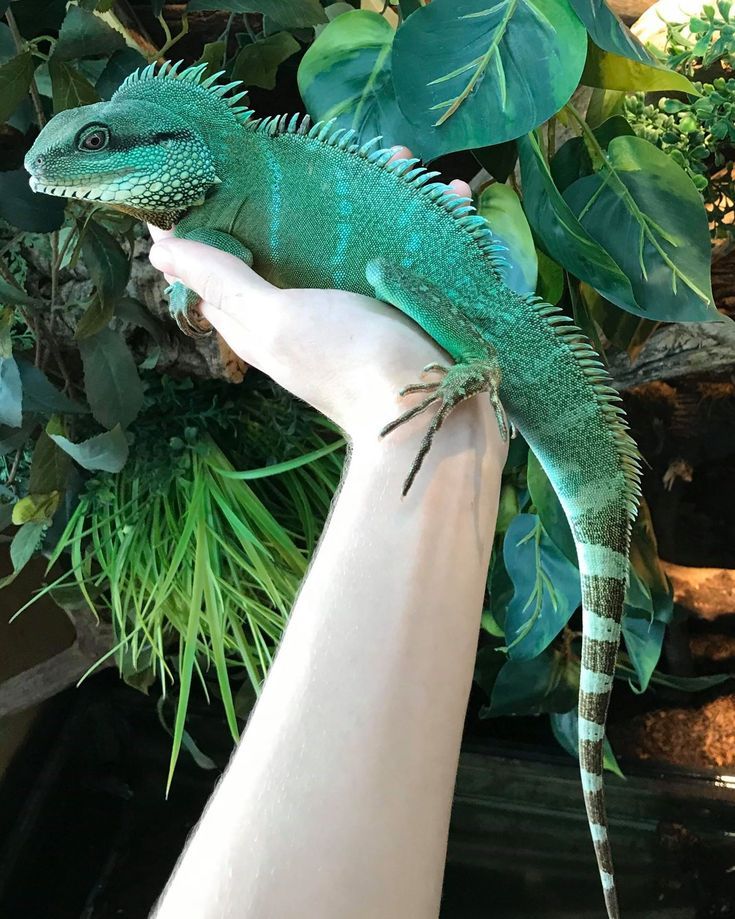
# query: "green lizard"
[310,206]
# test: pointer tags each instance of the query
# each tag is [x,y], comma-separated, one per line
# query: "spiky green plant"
[196,563]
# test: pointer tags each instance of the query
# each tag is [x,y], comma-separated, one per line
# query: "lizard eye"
[95,139]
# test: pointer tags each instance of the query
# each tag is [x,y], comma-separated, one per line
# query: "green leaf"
[15,81]
[549,510]
[106,452]
[550,278]
[500,206]
[109,268]
[213,55]
[346,75]
[113,387]
[41,397]
[547,683]
[70,88]
[11,393]
[648,215]
[547,588]
[120,65]
[83,34]
[11,293]
[257,64]
[561,234]
[24,544]
[26,209]
[49,467]
[296,14]
[647,566]
[565,726]
[497,71]
[488,664]
[643,639]
[608,31]
[36,508]
[572,160]
[611,71]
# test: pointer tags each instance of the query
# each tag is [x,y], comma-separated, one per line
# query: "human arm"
[336,803]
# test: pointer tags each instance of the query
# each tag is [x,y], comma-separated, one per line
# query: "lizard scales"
[310,206]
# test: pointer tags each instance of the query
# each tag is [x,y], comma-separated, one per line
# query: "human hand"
[345,354]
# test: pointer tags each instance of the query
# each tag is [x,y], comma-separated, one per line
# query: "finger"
[460,188]
[218,277]
[158,234]
[400,153]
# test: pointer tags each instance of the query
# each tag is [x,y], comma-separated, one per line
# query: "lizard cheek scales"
[310,206]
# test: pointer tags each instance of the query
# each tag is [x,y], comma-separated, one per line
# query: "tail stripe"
[601,628]
[597,559]
[591,781]
[599,655]
[594,682]
[591,730]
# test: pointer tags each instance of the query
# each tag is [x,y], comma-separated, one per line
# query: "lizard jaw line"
[60,190]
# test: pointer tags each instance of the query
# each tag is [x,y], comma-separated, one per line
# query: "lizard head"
[133,155]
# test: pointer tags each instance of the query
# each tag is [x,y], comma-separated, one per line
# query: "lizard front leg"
[477,369]
[182,300]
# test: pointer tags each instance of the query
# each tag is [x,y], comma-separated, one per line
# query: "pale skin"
[336,802]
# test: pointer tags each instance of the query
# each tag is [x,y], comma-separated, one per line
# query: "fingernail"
[161,256]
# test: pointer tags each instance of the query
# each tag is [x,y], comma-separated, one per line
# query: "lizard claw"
[459,383]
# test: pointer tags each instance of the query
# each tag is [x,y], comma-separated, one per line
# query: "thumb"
[218,277]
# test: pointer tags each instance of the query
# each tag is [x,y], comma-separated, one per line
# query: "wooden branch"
[678,350]
[707,592]
[45,680]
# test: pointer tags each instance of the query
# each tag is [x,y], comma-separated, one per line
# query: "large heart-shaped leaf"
[647,214]
[346,75]
[490,71]
[643,639]
[608,31]
[547,588]
[607,70]
[500,206]
[548,683]
[562,235]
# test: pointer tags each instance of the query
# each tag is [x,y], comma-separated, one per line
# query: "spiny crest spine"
[418,177]
[608,398]
[195,76]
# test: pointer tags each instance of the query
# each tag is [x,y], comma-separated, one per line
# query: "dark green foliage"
[610,226]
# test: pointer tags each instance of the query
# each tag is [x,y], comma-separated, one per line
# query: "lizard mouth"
[62,190]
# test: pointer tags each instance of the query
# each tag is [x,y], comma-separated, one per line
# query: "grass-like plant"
[196,563]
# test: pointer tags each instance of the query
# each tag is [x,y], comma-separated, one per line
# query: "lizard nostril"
[38,162]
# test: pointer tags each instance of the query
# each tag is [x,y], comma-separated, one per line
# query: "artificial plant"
[604,222]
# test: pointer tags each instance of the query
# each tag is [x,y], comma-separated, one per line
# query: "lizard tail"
[602,547]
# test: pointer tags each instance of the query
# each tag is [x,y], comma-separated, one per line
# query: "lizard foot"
[457,384]
[181,306]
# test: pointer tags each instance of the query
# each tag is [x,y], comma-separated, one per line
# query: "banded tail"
[602,547]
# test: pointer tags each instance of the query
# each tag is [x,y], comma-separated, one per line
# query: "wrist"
[464,452]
